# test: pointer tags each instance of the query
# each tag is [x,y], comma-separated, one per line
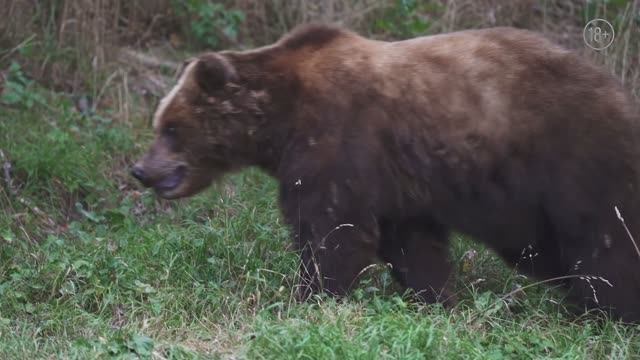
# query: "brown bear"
[381,149]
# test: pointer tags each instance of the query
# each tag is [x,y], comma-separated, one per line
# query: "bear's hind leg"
[418,251]
[608,281]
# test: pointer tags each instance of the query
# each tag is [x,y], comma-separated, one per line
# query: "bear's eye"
[170,130]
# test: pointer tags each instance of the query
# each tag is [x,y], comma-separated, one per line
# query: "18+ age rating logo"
[598,34]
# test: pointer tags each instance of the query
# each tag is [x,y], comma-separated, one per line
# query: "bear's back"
[474,75]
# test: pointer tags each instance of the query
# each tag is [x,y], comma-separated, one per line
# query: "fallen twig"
[128,55]
[25,42]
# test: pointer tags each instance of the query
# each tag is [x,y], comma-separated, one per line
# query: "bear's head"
[204,128]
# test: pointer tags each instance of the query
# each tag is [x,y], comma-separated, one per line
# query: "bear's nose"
[138,173]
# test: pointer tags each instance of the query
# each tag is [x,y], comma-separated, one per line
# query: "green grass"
[122,275]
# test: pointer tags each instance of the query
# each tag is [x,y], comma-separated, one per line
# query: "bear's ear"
[180,69]
[212,72]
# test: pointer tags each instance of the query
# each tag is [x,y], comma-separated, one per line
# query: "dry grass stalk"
[626,228]
[6,172]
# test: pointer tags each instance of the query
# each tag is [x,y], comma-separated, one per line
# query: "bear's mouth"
[171,181]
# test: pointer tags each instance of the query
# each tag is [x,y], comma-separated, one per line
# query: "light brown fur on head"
[202,127]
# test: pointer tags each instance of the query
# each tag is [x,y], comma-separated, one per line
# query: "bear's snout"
[138,172]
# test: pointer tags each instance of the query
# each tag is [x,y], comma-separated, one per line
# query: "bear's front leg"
[418,250]
[336,242]
[333,255]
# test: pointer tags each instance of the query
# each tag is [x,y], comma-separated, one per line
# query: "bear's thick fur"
[381,149]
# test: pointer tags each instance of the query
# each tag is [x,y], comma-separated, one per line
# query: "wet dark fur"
[418,147]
